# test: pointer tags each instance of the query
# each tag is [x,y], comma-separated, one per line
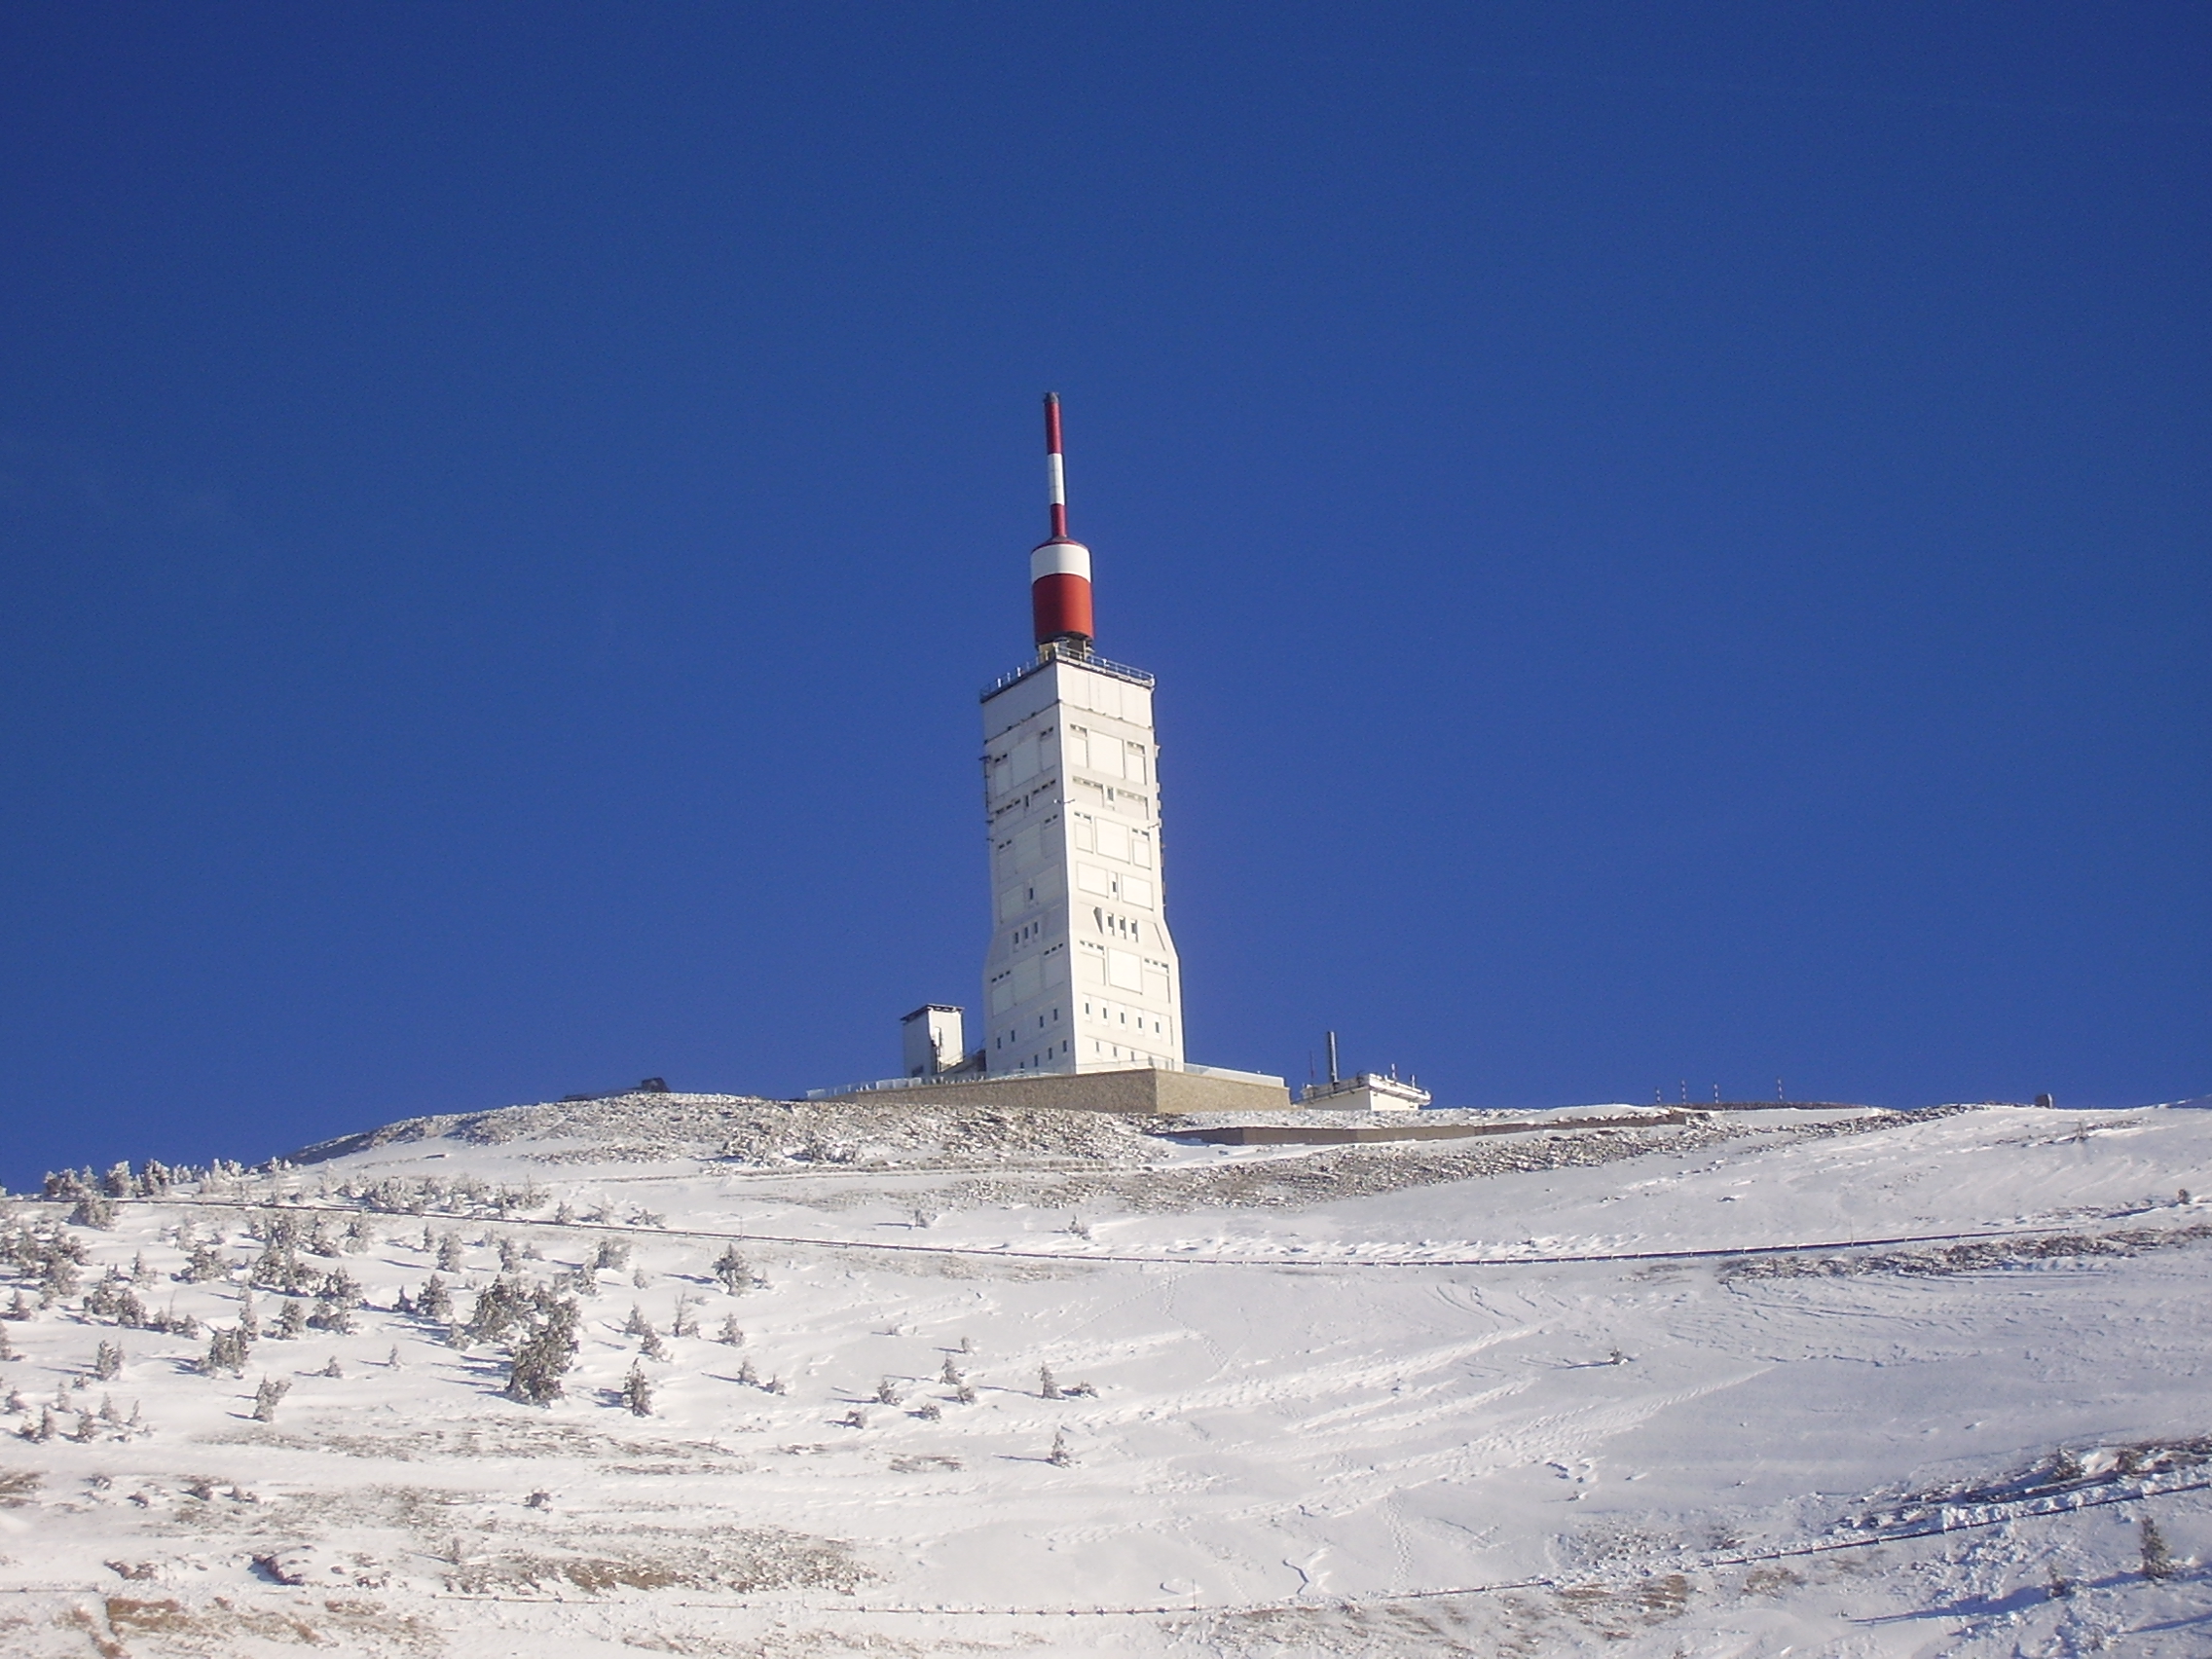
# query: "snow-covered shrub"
[334,1301]
[268,1397]
[107,1361]
[435,1301]
[94,1211]
[226,1350]
[2157,1556]
[112,1298]
[733,1270]
[543,1356]
[638,1392]
[500,1306]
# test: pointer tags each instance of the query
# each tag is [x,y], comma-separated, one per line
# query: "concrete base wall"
[1141,1090]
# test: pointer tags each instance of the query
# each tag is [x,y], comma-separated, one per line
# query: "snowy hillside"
[712,1375]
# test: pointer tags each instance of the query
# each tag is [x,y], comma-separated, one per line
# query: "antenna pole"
[1055,470]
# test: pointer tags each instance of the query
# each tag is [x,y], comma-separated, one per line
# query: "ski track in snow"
[1661,1411]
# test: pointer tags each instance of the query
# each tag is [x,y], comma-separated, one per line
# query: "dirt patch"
[1973,1256]
[748,1561]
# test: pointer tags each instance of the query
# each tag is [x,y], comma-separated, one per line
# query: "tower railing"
[1055,650]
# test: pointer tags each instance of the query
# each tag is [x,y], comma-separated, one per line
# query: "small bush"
[685,1322]
[545,1355]
[94,1211]
[733,1270]
[638,1392]
[268,1397]
[226,1350]
[435,1303]
[2158,1557]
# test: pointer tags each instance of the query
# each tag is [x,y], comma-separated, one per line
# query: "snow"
[1839,1382]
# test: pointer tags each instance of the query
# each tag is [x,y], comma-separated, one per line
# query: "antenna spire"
[1055,473]
[1060,566]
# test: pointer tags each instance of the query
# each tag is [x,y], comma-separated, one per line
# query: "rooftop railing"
[1055,651]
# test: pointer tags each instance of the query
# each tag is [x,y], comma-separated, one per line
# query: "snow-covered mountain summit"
[705,1373]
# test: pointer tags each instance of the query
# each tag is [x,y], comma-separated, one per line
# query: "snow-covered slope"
[1835,1383]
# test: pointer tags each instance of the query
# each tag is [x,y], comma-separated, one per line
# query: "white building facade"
[1081,974]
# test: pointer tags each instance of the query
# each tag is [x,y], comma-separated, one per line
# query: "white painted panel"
[1138,772]
[1113,838]
[1156,986]
[1136,705]
[1023,761]
[1028,979]
[1002,995]
[1125,970]
[1094,968]
[1106,694]
[1077,747]
[1013,900]
[1086,833]
[1106,756]
[1091,879]
[1140,848]
[1137,891]
[1027,854]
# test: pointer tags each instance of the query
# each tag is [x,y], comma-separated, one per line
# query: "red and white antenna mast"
[1060,568]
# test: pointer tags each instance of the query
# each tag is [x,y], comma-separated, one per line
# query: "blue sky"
[1674,541]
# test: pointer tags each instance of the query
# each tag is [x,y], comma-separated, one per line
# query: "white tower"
[1081,974]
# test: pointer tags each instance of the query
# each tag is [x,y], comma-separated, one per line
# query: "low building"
[1369,1091]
